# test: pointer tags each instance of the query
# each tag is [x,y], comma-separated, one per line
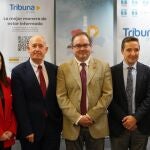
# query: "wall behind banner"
[19,20]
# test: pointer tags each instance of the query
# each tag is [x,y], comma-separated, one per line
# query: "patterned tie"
[42,81]
[129,89]
[83,96]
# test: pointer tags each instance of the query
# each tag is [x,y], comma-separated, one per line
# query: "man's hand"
[85,121]
[30,137]
[129,122]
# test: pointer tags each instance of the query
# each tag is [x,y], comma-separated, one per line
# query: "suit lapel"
[32,77]
[50,76]
[121,79]
[75,71]
[91,69]
[139,77]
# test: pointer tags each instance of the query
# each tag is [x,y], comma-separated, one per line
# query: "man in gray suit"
[84,91]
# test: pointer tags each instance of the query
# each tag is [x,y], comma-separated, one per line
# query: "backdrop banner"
[19,20]
[92,16]
[133,20]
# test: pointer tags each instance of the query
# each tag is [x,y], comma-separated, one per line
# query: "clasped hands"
[85,121]
[129,122]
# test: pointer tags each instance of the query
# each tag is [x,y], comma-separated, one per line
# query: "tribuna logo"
[19,7]
[136,32]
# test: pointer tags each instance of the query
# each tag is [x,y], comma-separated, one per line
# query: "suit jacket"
[119,105]
[99,93]
[30,105]
[7,117]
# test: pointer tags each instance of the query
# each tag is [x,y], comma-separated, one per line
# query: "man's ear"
[46,49]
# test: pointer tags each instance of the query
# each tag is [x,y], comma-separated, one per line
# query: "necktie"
[42,81]
[83,96]
[129,89]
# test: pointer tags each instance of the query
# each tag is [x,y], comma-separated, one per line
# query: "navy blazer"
[118,108]
[30,105]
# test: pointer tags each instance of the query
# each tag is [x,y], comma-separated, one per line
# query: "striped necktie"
[129,89]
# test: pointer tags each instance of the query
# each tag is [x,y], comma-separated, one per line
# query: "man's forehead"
[37,41]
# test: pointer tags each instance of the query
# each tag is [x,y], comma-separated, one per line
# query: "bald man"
[38,115]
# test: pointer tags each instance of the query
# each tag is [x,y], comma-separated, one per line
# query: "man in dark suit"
[129,112]
[37,112]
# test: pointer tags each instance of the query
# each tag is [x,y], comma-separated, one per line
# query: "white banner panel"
[19,20]
[133,20]
[92,16]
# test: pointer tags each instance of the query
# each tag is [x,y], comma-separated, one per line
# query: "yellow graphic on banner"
[38,7]
[13,59]
[92,30]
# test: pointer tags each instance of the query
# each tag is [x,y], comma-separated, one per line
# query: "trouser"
[85,140]
[134,140]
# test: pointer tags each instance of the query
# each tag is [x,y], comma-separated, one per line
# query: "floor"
[107,145]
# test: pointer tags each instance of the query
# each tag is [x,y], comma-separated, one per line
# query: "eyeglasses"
[78,46]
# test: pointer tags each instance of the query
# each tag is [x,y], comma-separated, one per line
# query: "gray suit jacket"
[99,92]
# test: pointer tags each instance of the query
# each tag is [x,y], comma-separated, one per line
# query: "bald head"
[37,38]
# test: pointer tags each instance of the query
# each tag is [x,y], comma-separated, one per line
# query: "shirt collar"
[35,66]
[86,62]
[125,65]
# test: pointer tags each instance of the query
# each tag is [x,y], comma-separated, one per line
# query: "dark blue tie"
[83,96]
[129,89]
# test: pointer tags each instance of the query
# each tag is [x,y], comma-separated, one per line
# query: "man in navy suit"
[129,116]
[38,115]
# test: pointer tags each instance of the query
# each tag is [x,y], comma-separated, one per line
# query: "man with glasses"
[84,91]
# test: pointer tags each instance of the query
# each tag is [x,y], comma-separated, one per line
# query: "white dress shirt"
[35,68]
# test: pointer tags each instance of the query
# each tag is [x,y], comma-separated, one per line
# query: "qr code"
[23,42]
